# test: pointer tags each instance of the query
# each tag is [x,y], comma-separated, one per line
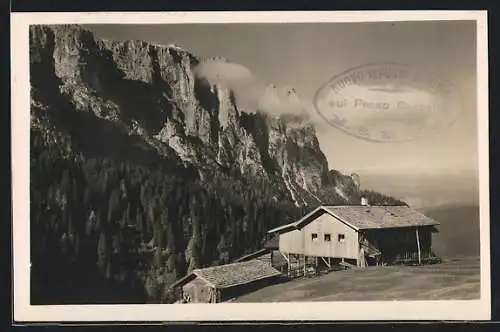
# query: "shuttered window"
[341,237]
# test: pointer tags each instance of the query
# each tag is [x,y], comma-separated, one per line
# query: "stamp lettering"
[372,105]
[338,103]
[400,103]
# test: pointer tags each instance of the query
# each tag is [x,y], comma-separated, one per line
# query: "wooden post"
[304,265]
[213,295]
[327,262]
[418,246]
[289,265]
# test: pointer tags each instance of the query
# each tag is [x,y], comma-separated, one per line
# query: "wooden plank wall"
[301,241]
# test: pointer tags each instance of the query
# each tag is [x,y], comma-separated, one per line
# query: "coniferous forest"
[116,227]
[106,230]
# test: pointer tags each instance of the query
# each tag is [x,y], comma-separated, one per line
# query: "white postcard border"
[340,311]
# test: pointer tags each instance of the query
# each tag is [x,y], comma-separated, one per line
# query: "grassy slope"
[453,279]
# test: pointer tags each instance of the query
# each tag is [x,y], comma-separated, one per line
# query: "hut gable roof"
[371,217]
[361,217]
[229,275]
[295,225]
[253,255]
[272,243]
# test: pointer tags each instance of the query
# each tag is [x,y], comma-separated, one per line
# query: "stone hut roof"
[230,275]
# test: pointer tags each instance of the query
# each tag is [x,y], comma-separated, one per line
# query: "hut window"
[328,238]
[314,236]
[341,237]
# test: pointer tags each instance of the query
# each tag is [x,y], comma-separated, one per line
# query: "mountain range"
[180,107]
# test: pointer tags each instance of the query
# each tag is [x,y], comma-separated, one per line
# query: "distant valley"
[459,230]
[424,191]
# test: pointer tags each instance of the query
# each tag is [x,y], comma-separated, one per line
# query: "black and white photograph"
[336,166]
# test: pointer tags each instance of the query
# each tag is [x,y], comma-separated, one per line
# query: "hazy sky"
[307,55]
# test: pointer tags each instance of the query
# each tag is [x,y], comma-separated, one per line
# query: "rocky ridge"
[158,98]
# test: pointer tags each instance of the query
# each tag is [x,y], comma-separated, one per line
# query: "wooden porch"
[398,246]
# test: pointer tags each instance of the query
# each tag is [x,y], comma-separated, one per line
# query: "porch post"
[289,261]
[361,259]
[327,262]
[304,265]
[418,246]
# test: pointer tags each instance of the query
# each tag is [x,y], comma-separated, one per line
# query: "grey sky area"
[305,56]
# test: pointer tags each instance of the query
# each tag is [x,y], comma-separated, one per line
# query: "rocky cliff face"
[117,96]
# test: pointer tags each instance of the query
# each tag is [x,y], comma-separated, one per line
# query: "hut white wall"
[301,242]
[291,242]
[198,291]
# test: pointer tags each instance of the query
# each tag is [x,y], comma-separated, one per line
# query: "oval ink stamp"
[388,102]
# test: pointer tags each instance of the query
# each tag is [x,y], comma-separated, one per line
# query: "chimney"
[364,201]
